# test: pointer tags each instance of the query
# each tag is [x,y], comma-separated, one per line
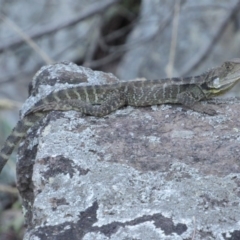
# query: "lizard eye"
[228,66]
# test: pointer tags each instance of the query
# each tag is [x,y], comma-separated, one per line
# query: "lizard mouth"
[230,82]
[222,86]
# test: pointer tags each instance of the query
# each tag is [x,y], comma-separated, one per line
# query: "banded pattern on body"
[100,100]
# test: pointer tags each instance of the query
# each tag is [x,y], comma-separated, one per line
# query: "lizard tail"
[16,135]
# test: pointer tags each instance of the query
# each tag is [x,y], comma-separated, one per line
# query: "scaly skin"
[18,132]
[100,100]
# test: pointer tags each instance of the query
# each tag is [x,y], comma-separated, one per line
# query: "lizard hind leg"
[61,106]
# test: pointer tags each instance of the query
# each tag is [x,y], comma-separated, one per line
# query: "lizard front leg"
[189,100]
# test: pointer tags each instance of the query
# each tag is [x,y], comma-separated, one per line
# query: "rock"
[156,172]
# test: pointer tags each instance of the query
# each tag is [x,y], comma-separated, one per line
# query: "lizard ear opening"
[216,82]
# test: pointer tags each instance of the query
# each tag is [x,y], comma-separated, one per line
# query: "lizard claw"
[44,108]
[210,111]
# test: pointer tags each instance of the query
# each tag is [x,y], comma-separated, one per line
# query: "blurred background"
[130,38]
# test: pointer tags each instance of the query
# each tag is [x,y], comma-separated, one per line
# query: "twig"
[9,104]
[204,52]
[119,32]
[117,51]
[8,189]
[26,38]
[90,11]
[105,60]
[94,40]
[170,65]
[209,7]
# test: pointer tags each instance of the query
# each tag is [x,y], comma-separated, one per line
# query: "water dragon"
[100,100]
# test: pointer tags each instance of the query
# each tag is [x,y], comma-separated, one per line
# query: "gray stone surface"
[157,172]
[146,52]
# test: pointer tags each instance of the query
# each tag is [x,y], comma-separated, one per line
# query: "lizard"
[101,100]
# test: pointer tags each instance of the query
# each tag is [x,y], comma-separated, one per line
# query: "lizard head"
[223,78]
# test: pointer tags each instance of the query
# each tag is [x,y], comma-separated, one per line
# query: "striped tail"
[18,132]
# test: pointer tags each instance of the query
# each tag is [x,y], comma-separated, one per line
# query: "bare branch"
[204,52]
[117,51]
[9,104]
[8,189]
[94,41]
[27,39]
[105,60]
[170,65]
[89,12]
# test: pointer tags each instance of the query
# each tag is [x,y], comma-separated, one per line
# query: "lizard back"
[134,93]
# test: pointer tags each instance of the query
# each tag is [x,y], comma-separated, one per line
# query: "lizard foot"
[43,108]
[204,109]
